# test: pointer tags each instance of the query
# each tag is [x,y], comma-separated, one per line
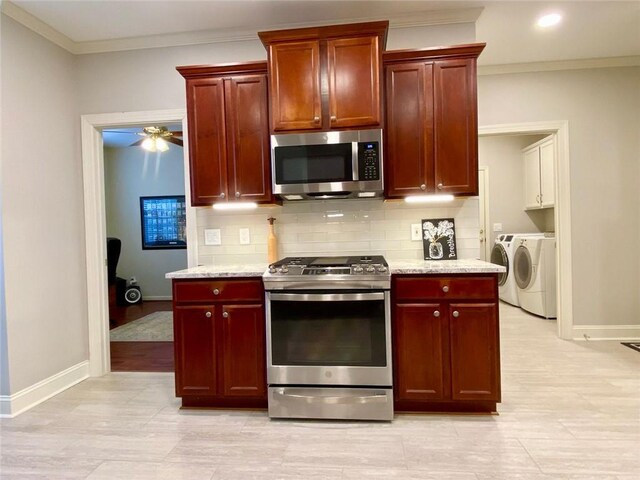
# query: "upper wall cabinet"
[325,78]
[227,119]
[539,176]
[431,121]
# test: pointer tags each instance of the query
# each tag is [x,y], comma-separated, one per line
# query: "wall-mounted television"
[163,222]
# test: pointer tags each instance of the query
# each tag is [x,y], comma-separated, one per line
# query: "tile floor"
[570,411]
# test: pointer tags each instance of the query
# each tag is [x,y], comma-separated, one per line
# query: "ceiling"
[589,29]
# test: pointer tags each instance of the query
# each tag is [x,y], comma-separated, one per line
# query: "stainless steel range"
[329,338]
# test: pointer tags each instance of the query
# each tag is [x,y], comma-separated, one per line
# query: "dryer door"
[523,267]
[499,257]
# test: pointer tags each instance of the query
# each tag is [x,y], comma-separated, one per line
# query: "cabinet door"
[243,349]
[547,173]
[354,82]
[409,146]
[475,358]
[294,86]
[195,350]
[207,147]
[248,166]
[420,344]
[456,127]
[532,178]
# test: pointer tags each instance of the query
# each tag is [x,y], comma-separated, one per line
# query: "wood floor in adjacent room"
[570,411]
[139,356]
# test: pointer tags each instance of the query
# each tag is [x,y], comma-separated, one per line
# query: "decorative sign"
[163,222]
[439,239]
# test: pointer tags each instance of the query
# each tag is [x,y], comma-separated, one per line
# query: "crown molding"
[425,18]
[578,64]
[38,26]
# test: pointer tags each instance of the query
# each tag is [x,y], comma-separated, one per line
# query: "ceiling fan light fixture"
[161,144]
[149,144]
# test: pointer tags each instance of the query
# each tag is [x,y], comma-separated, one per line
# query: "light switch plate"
[245,238]
[212,236]
[497,227]
[416,232]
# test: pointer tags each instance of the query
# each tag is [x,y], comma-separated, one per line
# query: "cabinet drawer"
[189,291]
[443,288]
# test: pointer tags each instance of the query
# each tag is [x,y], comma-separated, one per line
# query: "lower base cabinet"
[219,339]
[446,343]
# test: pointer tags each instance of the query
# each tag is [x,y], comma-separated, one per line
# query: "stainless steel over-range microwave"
[344,164]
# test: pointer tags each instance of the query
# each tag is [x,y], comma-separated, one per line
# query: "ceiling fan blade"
[176,133]
[139,142]
[175,141]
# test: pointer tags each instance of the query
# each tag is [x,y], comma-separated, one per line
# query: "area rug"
[633,345]
[155,327]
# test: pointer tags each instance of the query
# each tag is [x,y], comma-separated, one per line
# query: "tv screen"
[163,221]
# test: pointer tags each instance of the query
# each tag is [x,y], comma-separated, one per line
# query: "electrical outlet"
[416,232]
[245,238]
[212,236]
[497,227]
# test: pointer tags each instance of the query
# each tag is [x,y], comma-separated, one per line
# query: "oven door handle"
[345,400]
[326,297]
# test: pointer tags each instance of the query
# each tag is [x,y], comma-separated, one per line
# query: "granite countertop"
[215,271]
[444,266]
[396,268]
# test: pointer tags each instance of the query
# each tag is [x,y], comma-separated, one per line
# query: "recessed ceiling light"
[549,20]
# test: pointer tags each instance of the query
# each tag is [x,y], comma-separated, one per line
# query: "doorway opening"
[557,220]
[96,231]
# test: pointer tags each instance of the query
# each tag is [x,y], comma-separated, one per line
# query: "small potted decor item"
[439,239]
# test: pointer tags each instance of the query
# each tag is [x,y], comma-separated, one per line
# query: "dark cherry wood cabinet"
[446,343]
[228,121]
[325,78]
[431,121]
[219,339]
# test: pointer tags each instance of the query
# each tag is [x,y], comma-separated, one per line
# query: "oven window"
[325,333]
[313,164]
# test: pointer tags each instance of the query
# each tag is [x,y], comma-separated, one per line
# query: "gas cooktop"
[361,271]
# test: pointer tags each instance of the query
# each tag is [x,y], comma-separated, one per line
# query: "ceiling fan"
[157,139]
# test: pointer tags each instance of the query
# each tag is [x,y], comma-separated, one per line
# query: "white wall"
[602,107]
[42,209]
[130,173]
[502,155]
[305,228]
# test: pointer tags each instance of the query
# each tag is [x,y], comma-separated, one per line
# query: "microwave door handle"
[354,161]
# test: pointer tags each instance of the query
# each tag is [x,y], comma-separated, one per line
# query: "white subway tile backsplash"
[349,227]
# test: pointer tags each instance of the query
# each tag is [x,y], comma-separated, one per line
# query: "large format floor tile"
[570,411]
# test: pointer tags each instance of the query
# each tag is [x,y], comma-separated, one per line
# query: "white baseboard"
[13,405]
[606,332]
[158,297]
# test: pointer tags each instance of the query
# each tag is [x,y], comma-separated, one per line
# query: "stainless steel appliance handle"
[282,392]
[329,297]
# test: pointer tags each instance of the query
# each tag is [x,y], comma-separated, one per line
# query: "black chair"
[114,247]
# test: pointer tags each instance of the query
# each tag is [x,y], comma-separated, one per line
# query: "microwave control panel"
[368,161]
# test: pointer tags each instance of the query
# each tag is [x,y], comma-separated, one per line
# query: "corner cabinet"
[431,121]
[325,78]
[219,341]
[446,343]
[539,174]
[228,127]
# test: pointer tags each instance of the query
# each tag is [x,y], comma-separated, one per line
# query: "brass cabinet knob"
[445,289]
[440,186]
[456,314]
[333,118]
[208,314]
[237,194]
[222,195]
[216,291]
[436,313]
[423,187]
[316,119]
[225,314]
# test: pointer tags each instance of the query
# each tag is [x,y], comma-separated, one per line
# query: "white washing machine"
[502,254]
[534,269]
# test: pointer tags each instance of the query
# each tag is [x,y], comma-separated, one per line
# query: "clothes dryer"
[502,254]
[534,268]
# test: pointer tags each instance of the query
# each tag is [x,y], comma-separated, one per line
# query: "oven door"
[329,338]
